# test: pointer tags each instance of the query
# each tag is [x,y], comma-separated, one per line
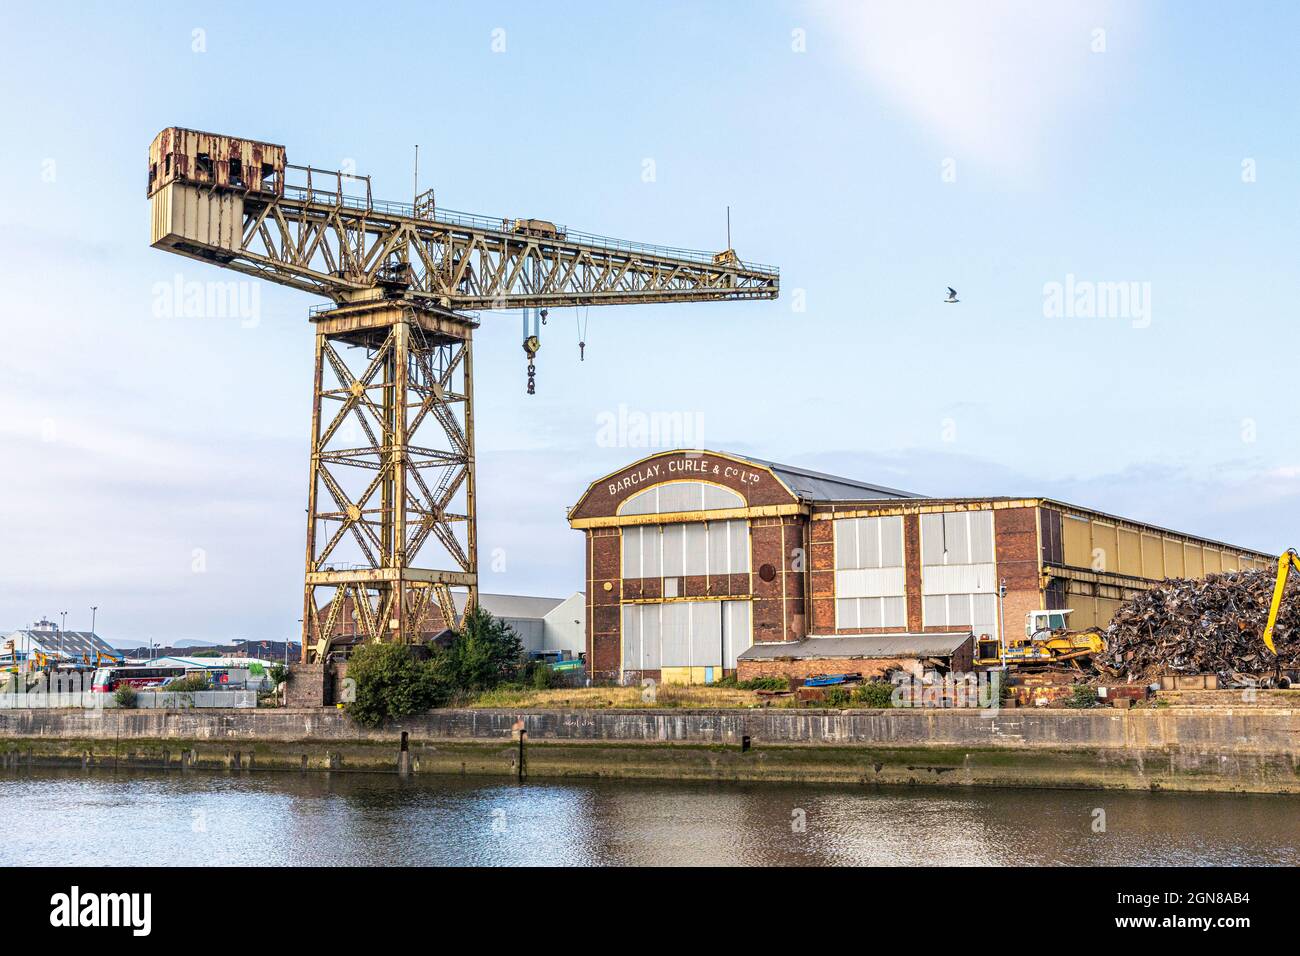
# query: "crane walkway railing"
[503,226]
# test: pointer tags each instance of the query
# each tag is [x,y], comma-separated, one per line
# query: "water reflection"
[95,817]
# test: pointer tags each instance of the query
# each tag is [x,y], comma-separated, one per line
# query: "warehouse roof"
[860,646]
[64,644]
[815,486]
[518,606]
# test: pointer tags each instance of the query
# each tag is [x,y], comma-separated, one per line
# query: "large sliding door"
[685,634]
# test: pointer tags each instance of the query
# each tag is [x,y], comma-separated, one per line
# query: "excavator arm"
[1285,563]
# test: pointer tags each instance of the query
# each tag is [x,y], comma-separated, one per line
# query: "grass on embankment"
[625,698]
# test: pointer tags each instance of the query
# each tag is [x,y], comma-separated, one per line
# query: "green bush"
[125,696]
[874,694]
[484,653]
[836,697]
[392,683]
[189,684]
[279,674]
[765,683]
[541,676]
[1082,696]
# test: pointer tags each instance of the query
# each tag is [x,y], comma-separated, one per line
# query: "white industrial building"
[546,625]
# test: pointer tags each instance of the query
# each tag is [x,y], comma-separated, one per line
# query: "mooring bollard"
[404,757]
[521,735]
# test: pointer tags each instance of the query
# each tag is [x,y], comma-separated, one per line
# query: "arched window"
[681,496]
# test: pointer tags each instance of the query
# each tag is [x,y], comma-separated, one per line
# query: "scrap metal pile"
[1212,625]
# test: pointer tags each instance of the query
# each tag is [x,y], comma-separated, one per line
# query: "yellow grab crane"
[1285,563]
[393,352]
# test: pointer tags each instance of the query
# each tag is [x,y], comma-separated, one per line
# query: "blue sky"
[875,152]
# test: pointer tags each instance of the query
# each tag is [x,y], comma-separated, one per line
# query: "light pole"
[93,609]
[61,630]
[1002,622]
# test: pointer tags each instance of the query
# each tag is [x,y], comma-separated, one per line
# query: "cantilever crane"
[393,352]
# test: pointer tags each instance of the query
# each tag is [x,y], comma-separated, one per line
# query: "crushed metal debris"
[1209,625]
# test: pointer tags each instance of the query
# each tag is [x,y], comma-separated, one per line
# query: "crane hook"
[531,345]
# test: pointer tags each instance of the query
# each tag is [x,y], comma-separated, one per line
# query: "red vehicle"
[109,679]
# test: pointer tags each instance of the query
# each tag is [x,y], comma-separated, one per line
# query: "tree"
[485,652]
[394,680]
[392,683]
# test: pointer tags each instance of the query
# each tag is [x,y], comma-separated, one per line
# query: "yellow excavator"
[1048,640]
[1285,563]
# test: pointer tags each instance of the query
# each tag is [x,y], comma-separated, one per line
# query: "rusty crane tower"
[392,442]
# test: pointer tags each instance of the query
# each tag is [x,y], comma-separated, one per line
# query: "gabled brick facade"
[1038,551]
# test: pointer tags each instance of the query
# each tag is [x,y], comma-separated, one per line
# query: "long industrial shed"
[695,558]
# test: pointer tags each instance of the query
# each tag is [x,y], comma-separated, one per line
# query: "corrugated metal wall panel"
[846,542]
[1104,554]
[684,496]
[737,630]
[870,582]
[891,541]
[631,552]
[631,637]
[642,503]
[719,561]
[1130,553]
[1077,538]
[875,542]
[706,633]
[650,631]
[716,498]
[738,532]
[675,631]
[1153,557]
[957,538]
[674,550]
[697,548]
[1173,558]
[981,535]
[959,579]
[932,539]
[681,496]
[673,541]
[893,612]
[651,550]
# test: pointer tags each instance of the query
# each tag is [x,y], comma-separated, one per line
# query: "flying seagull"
[952,295]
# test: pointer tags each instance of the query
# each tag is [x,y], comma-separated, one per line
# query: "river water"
[57,817]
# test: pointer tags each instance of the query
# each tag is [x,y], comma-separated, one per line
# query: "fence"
[145,700]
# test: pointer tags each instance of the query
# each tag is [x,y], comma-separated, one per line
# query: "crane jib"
[319,236]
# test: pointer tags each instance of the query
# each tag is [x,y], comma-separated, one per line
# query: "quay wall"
[1250,749]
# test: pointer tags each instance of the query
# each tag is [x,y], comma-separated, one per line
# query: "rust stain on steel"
[246,165]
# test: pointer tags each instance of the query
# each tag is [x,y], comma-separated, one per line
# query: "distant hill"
[127,643]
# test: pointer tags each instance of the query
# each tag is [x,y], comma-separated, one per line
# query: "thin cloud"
[987,79]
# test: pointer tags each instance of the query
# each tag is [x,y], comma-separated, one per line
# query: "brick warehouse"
[694,559]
